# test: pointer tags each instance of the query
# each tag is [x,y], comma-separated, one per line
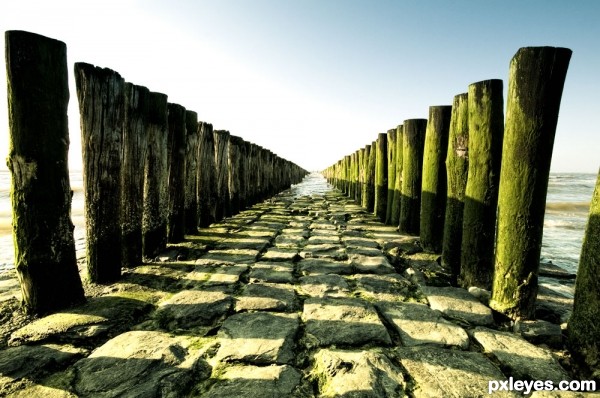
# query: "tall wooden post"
[191,172]
[536,80]
[223,208]
[368,184]
[434,189]
[412,159]
[391,173]
[356,173]
[154,218]
[380,206]
[584,334]
[457,168]
[206,190]
[135,145]
[233,163]
[397,201]
[371,168]
[361,175]
[101,106]
[38,95]
[486,129]
[176,147]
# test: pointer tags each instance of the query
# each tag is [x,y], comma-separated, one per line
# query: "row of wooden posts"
[152,171]
[473,188]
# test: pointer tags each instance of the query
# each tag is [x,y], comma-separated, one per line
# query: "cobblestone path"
[303,295]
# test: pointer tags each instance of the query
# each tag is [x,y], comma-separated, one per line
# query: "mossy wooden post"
[486,129]
[371,164]
[223,208]
[101,106]
[38,95]
[412,168]
[434,189]
[233,180]
[391,173]
[207,173]
[457,168]
[135,147]
[176,160]
[253,174]
[245,179]
[356,173]
[154,218]
[380,205]
[397,199]
[191,172]
[361,175]
[536,80]
[583,330]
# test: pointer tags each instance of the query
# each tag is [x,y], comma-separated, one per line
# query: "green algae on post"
[457,163]
[176,161]
[433,200]
[380,205]
[486,129]
[535,85]
[397,200]
[412,166]
[391,171]
[190,202]
[36,68]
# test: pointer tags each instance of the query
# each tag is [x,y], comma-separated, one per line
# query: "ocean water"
[567,208]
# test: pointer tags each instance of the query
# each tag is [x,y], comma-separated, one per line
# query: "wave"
[568,207]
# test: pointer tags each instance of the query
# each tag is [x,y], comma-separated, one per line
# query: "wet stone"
[239,381]
[315,266]
[258,338]
[193,308]
[279,254]
[266,297]
[540,332]
[231,256]
[289,241]
[297,232]
[277,272]
[449,373]
[335,252]
[323,225]
[458,304]
[371,265]
[257,244]
[519,358]
[417,324]
[391,287]
[342,321]
[332,285]
[324,240]
[218,275]
[356,374]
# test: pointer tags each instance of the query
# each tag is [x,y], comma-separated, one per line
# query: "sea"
[567,208]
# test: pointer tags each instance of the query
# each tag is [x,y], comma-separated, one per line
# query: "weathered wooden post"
[206,189]
[154,218]
[191,172]
[101,106]
[38,95]
[457,168]
[135,145]
[361,175]
[583,331]
[223,208]
[356,173]
[380,205]
[245,180]
[412,165]
[397,201]
[233,181]
[536,80]
[434,189]
[486,129]
[366,183]
[391,173]
[371,166]
[176,147]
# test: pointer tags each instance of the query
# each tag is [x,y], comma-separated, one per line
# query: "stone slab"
[371,264]
[458,304]
[342,321]
[332,285]
[278,272]
[279,254]
[335,252]
[266,297]
[390,287]
[192,308]
[417,324]
[320,266]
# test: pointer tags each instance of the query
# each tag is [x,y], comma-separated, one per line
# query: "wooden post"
[371,166]
[176,148]
[434,189]
[233,181]
[486,129]
[391,172]
[356,173]
[154,218]
[380,205]
[135,146]
[206,190]
[583,331]
[361,175]
[101,106]
[535,85]
[412,165]
[38,95]
[223,208]
[457,167]
[397,201]
[245,180]
[191,172]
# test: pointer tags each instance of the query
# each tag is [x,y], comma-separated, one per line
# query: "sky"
[315,80]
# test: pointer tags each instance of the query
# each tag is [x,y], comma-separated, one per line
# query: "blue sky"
[315,80]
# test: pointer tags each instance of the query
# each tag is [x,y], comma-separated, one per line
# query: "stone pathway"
[299,296]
